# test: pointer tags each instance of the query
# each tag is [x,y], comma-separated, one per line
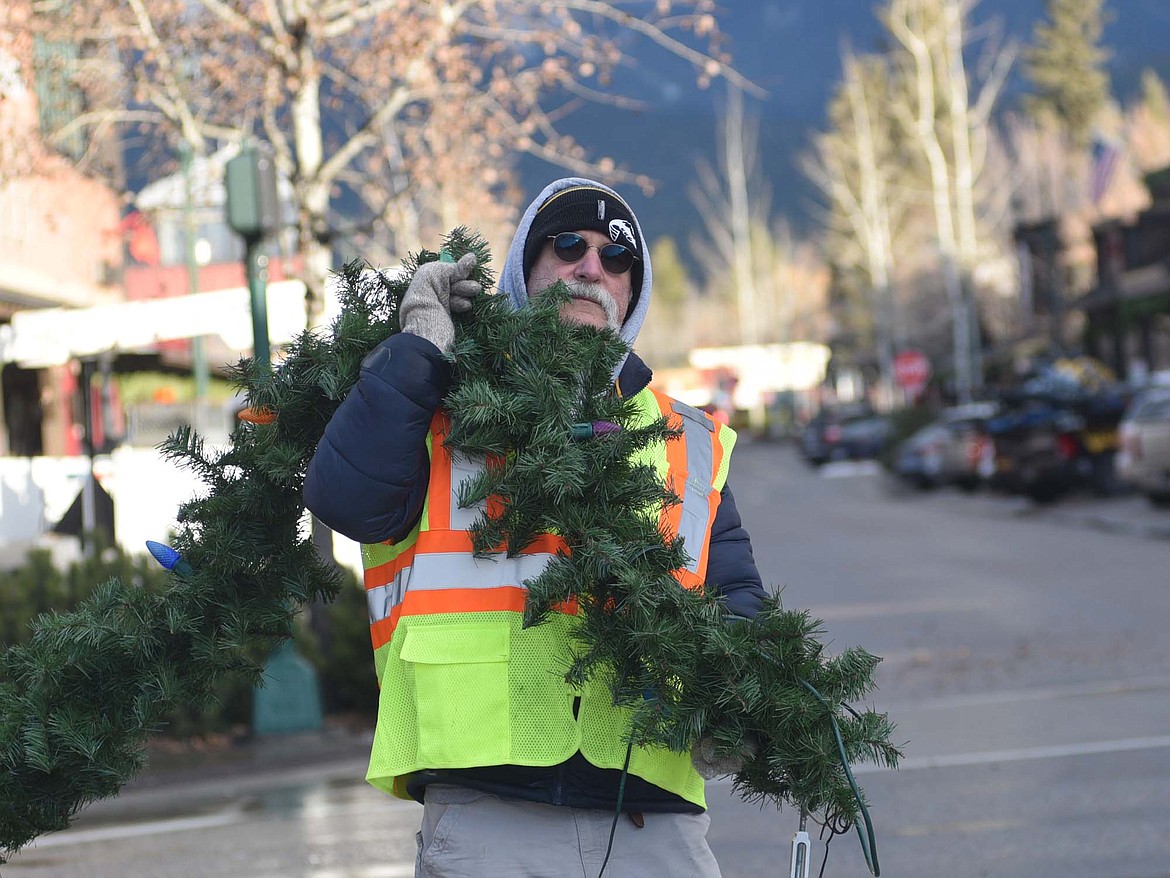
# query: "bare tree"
[748,256]
[951,130]
[745,253]
[406,113]
[1048,174]
[1147,125]
[796,295]
[26,98]
[733,201]
[856,167]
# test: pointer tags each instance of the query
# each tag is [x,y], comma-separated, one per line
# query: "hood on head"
[512,282]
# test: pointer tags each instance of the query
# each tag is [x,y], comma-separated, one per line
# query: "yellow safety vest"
[463,685]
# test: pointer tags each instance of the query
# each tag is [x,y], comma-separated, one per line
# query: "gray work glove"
[710,765]
[703,755]
[437,290]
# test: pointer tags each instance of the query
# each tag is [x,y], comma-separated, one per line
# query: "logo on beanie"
[619,229]
[601,208]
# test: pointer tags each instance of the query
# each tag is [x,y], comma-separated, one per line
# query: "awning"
[53,336]
[1137,283]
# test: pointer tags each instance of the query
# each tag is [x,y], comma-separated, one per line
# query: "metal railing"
[148,424]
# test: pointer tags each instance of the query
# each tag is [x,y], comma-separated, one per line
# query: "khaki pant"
[469,834]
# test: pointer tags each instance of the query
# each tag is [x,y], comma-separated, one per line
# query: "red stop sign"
[911,370]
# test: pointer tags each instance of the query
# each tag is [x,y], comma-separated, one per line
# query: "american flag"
[1106,154]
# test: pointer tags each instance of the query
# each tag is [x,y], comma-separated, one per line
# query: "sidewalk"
[1130,514]
[1126,512]
[201,780]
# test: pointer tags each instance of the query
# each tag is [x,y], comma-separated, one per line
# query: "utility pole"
[89,487]
[199,368]
[290,700]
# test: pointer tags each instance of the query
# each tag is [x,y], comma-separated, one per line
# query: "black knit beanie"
[585,207]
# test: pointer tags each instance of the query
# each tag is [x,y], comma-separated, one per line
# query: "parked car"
[919,459]
[825,438]
[1144,459]
[969,458]
[1037,450]
[863,438]
[1058,431]
[955,449]
[823,432]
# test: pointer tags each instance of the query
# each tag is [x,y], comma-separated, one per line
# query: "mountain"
[792,49]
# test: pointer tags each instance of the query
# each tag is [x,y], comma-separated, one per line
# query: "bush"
[40,587]
[344,661]
[344,665]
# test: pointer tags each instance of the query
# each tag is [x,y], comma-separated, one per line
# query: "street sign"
[911,371]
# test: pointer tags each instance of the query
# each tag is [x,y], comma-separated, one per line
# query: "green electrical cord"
[618,807]
[868,841]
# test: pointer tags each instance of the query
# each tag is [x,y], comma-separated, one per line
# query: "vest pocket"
[461,693]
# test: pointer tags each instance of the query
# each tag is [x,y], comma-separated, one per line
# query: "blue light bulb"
[168,558]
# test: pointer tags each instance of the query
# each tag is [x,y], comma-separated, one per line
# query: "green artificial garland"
[80,699]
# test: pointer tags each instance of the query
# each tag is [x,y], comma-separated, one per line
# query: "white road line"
[844,469]
[1022,754]
[869,609]
[134,830]
[1015,696]
[992,757]
[386,870]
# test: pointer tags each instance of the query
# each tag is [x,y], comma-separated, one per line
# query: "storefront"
[1127,314]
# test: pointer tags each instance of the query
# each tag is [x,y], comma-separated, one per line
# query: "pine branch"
[520,383]
[79,700]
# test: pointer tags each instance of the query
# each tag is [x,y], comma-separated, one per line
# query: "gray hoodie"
[512,282]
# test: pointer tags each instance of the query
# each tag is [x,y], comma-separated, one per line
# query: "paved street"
[1026,664]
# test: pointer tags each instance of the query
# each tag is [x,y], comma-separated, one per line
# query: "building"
[89,289]
[1128,309]
[192,204]
[60,244]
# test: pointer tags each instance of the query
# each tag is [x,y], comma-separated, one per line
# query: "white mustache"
[596,293]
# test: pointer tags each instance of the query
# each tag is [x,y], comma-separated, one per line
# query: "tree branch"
[171,83]
[701,60]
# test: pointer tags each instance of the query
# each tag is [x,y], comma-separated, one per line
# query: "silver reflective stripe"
[446,570]
[691,414]
[463,469]
[696,498]
[382,600]
[461,570]
[442,570]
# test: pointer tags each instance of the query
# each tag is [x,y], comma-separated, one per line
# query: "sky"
[792,49]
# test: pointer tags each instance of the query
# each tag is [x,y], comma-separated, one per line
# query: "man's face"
[600,299]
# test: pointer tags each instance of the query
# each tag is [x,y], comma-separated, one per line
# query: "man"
[518,773]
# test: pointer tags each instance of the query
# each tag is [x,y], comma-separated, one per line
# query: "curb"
[1103,522]
[201,781]
[1132,520]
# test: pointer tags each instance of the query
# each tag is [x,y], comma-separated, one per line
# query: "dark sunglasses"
[571,247]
